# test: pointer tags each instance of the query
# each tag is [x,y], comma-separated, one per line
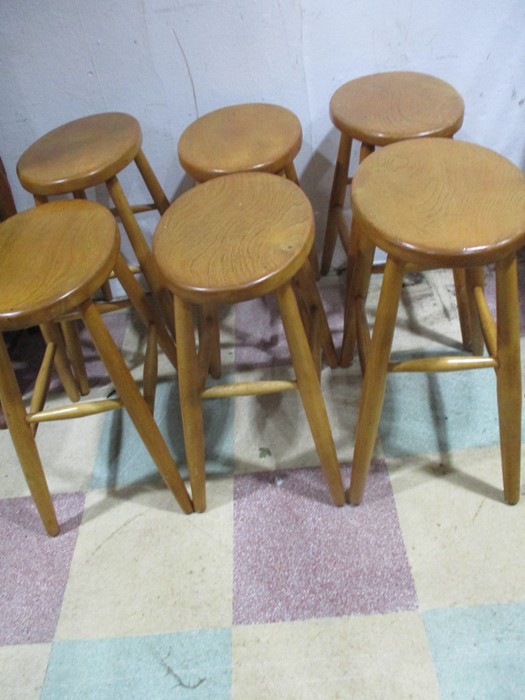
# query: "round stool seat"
[52,258]
[438,202]
[80,154]
[245,137]
[387,107]
[234,238]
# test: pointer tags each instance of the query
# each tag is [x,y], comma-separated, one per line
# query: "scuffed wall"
[169,61]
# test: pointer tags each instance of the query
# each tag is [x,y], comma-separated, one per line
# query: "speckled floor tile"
[185,665]
[142,567]
[296,556]
[463,542]
[34,568]
[22,670]
[378,656]
[478,652]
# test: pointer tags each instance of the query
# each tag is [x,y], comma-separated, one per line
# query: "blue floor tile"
[442,412]
[478,652]
[193,665]
[123,460]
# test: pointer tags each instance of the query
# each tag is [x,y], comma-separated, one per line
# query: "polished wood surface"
[52,259]
[240,138]
[229,240]
[379,109]
[436,202]
[234,239]
[67,267]
[80,154]
[442,203]
[386,107]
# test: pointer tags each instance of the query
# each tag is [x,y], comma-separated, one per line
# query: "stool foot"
[24,442]
[310,391]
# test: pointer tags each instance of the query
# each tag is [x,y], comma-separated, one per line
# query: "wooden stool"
[438,203]
[248,138]
[229,240]
[85,153]
[52,259]
[377,110]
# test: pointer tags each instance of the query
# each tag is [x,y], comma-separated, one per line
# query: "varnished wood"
[234,239]
[229,240]
[442,203]
[61,254]
[240,138]
[80,154]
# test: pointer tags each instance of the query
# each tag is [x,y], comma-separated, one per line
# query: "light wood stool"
[438,203]
[229,240]
[254,137]
[85,153]
[52,259]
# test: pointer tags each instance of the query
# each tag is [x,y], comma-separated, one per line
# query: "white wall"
[169,61]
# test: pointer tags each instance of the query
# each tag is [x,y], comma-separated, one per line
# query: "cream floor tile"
[23,670]
[142,567]
[365,657]
[67,451]
[463,542]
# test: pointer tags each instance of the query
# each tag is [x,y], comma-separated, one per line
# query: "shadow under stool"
[62,253]
[86,153]
[252,137]
[230,240]
[438,203]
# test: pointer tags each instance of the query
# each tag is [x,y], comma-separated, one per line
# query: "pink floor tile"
[296,556]
[34,567]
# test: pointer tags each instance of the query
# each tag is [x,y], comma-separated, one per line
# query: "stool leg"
[374,383]
[310,390]
[190,402]
[358,277]
[151,181]
[337,199]
[320,330]
[139,301]
[210,339]
[135,404]
[51,334]
[24,442]
[138,242]
[291,174]
[460,285]
[474,277]
[509,376]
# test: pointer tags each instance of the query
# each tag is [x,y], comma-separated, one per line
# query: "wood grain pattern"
[387,107]
[240,138]
[80,154]
[234,238]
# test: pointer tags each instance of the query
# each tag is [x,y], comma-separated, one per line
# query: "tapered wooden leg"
[310,390]
[135,404]
[460,285]
[474,277]
[337,200]
[509,376]
[74,347]
[145,311]
[210,337]
[51,334]
[374,383]
[24,442]
[357,283]
[152,183]
[291,174]
[144,255]
[190,402]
